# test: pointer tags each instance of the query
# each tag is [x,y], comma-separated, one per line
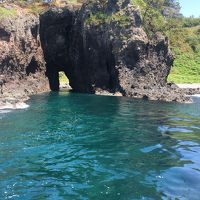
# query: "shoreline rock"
[22,64]
[107,93]
[190,89]
[16,92]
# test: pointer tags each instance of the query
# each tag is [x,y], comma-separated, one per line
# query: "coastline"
[15,92]
[13,106]
[191,90]
[189,86]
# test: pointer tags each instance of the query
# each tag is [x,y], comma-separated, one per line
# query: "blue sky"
[190,7]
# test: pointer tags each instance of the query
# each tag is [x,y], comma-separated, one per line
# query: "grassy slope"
[186,67]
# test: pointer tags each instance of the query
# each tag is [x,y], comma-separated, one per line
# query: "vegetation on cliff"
[101,18]
[9,8]
[4,13]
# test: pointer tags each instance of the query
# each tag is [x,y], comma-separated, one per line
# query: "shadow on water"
[78,146]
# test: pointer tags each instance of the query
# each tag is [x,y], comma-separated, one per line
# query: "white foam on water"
[196,95]
[9,106]
[21,105]
[196,98]
[4,111]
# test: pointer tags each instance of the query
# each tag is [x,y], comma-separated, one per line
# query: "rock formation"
[22,65]
[104,47]
[101,47]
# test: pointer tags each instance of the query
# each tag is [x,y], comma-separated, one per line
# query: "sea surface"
[69,146]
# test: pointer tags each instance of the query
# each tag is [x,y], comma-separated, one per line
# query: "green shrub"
[5,13]
[102,18]
[35,9]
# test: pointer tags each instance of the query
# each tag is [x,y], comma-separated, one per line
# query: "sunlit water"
[79,147]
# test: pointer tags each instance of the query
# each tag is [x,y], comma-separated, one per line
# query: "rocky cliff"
[22,65]
[101,47]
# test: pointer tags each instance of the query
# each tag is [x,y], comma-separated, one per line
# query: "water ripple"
[79,146]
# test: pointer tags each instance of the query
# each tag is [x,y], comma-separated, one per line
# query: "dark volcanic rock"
[191,91]
[22,65]
[104,47]
[101,47]
[55,33]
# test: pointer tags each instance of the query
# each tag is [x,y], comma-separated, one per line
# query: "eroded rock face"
[104,47]
[56,33]
[22,65]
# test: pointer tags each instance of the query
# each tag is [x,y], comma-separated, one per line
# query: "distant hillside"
[185,44]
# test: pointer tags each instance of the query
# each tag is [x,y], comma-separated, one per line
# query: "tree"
[160,15]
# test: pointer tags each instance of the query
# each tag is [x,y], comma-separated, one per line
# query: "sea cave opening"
[63,81]
[58,78]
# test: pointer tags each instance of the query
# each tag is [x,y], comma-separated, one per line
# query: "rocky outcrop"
[104,47]
[22,65]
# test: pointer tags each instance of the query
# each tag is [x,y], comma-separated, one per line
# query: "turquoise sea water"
[79,147]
